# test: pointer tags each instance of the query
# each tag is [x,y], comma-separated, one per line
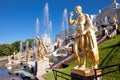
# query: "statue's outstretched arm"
[71,21]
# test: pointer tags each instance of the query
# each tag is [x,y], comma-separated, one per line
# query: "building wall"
[105,17]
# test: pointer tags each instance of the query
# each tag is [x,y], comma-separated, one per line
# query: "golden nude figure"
[28,55]
[85,38]
[9,59]
[41,45]
[115,20]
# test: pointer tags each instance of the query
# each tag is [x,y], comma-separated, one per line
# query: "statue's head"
[78,9]
[38,37]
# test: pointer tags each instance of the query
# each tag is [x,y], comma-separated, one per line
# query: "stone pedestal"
[84,74]
[41,66]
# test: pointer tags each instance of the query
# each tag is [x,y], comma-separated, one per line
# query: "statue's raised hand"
[71,13]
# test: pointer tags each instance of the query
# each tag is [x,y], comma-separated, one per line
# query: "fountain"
[46,37]
[44,62]
[46,17]
[65,24]
[21,48]
[34,50]
[47,22]
[27,51]
[5,71]
[35,42]
[27,45]
[65,19]
[50,29]
[37,27]
[63,33]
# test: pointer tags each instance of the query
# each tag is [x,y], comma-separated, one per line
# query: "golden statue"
[85,38]
[9,59]
[115,24]
[115,19]
[41,45]
[9,63]
[28,55]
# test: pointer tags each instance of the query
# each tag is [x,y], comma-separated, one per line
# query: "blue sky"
[18,17]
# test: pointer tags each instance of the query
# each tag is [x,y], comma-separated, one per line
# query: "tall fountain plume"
[27,45]
[50,28]
[46,17]
[65,17]
[37,27]
[47,21]
[21,47]
[63,29]
[65,23]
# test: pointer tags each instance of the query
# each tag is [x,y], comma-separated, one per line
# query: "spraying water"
[50,29]
[63,29]
[48,26]
[65,18]
[27,45]
[21,47]
[46,17]
[65,24]
[47,21]
[37,27]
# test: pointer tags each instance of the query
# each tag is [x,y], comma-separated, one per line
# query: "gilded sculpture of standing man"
[28,55]
[115,21]
[41,45]
[85,38]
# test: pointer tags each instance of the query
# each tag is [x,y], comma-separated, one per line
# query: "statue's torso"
[80,24]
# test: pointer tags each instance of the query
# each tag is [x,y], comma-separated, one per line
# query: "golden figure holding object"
[41,45]
[85,38]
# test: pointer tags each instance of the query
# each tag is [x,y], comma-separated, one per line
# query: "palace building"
[105,16]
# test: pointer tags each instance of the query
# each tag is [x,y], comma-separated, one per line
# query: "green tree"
[9,49]
[6,49]
[16,46]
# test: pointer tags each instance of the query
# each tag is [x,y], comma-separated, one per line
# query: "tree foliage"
[9,49]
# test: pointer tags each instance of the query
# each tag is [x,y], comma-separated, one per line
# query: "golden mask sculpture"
[85,38]
[41,45]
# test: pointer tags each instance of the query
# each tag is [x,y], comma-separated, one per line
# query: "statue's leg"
[83,44]
[76,52]
[94,57]
[40,56]
[93,50]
